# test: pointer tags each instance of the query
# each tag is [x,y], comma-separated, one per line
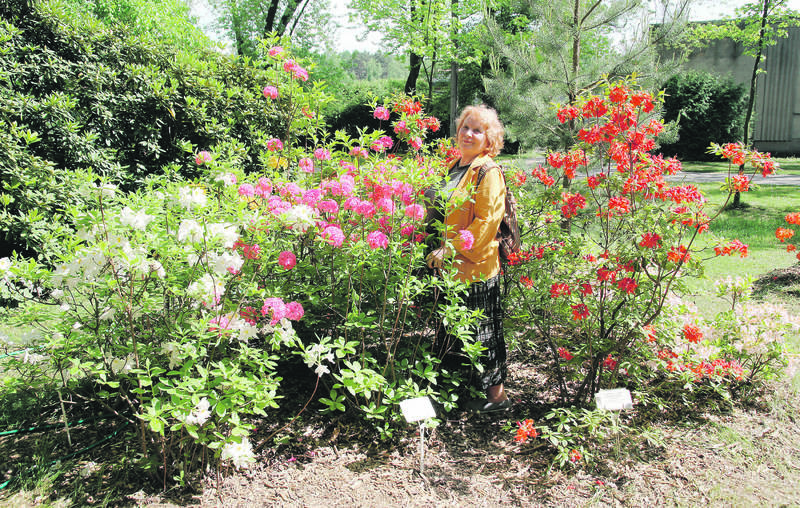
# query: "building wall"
[777,111]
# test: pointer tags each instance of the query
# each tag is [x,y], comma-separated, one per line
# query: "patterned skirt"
[488,330]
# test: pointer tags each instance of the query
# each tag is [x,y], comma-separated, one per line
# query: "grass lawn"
[754,224]
[789,166]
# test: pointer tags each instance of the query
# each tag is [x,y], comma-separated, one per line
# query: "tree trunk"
[288,12]
[751,100]
[453,74]
[269,22]
[414,66]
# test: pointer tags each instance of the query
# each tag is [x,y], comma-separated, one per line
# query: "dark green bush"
[83,95]
[707,108]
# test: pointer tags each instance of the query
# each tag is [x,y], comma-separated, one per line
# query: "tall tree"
[245,22]
[566,47]
[436,34]
[757,25]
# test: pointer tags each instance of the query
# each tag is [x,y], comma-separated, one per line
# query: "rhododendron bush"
[610,243]
[177,303]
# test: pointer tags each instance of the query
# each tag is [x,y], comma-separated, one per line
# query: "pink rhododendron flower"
[358,151]
[251,251]
[386,205]
[219,324]
[348,184]
[467,240]
[400,128]
[274,145]
[415,211]
[270,92]
[276,51]
[415,143]
[306,165]
[291,189]
[322,154]
[328,206]
[333,235]
[407,229]
[287,259]
[365,208]
[247,190]
[377,239]
[263,187]
[275,308]
[311,197]
[381,113]
[203,157]
[294,311]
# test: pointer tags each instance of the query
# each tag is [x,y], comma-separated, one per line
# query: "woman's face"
[471,139]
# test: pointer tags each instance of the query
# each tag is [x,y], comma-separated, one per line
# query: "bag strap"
[485,169]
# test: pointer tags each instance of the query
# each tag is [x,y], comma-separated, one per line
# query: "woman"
[479,136]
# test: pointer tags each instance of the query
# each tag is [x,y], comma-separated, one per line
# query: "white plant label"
[417,409]
[614,400]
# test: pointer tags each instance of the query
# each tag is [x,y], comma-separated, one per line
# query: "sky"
[346,37]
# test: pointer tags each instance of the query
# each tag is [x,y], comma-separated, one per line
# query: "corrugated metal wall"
[777,91]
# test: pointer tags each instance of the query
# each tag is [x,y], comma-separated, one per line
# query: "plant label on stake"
[418,410]
[614,400]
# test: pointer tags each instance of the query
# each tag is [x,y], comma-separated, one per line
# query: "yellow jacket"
[480,213]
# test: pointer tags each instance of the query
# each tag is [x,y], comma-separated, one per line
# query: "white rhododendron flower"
[207,290]
[136,220]
[171,349]
[190,231]
[225,263]
[200,414]
[5,266]
[227,233]
[192,197]
[240,454]
[299,217]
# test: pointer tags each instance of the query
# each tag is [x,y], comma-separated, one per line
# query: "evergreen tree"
[564,47]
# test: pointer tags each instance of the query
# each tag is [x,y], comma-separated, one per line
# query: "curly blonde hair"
[490,122]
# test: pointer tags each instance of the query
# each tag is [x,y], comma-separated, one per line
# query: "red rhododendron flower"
[627,285]
[643,99]
[564,354]
[741,183]
[586,288]
[604,274]
[574,456]
[559,289]
[555,159]
[618,94]
[650,240]
[567,113]
[580,311]
[619,205]
[572,203]
[595,107]
[791,248]
[734,152]
[526,281]
[678,254]
[692,333]
[591,135]
[784,234]
[793,218]
[525,430]
[650,333]
[609,363]
[735,246]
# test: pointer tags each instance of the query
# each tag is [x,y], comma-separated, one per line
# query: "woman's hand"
[436,258]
